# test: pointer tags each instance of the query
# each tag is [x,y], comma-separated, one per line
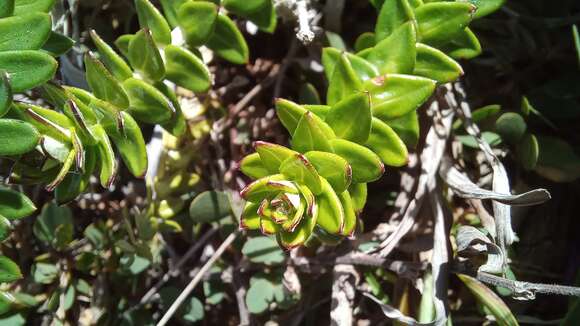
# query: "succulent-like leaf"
[358,195]
[27,32]
[319,110]
[9,271]
[344,81]
[5,93]
[393,96]
[25,7]
[272,155]
[244,7]
[289,113]
[330,211]
[186,70]
[486,7]
[209,206]
[392,15]
[252,166]
[107,161]
[363,69]
[261,188]
[122,43]
[130,144]
[308,94]
[464,45]
[147,103]
[511,127]
[385,142]
[103,84]
[6,8]
[297,168]
[265,18]
[65,168]
[197,20]
[170,8]
[396,53]
[177,126]
[27,69]
[364,41]
[151,18]
[312,134]
[351,118]
[116,65]
[300,234]
[75,183]
[250,220]
[439,22]
[145,57]
[350,217]
[406,127]
[366,165]
[17,137]
[14,205]
[5,228]
[528,151]
[228,42]
[333,168]
[58,44]
[436,65]
[76,115]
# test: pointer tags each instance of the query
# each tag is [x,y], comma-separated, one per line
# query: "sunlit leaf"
[151,18]
[25,7]
[312,134]
[116,65]
[363,69]
[385,142]
[396,53]
[438,22]
[27,32]
[17,137]
[186,69]
[330,211]
[145,57]
[351,118]
[392,14]
[27,69]
[103,84]
[333,168]
[436,65]
[228,42]
[366,165]
[343,82]
[297,168]
[197,20]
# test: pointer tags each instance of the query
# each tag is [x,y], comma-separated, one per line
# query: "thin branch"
[197,278]
[526,288]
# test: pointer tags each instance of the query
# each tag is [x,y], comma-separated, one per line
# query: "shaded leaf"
[108,163]
[343,82]
[5,93]
[17,137]
[151,18]
[186,70]
[54,226]
[439,22]
[436,65]
[392,15]
[197,20]
[58,44]
[9,271]
[228,42]
[209,206]
[528,151]
[145,57]
[116,65]
[147,104]
[103,84]
[263,250]
[511,126]
[385,142]
[464,45]
[366,165]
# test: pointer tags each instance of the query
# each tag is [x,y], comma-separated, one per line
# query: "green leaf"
[289,113]
[209,206]
[177,126]
[333,168]
[297,168]
[350,218]
[482,115]
[244,7]
[108,163]
[392,15]
[393,96]
[14,205]
[250,219]
[351,118]
[27,32]
[358,194]
[25,7]
[145,57]
[170,8]
[490,300]
[464,45]
[366,165]
[265,18]
[5,93]
[252,166]
[147,104]
[300,234]
[344,81]
[58,44]
[197,20]
[6,8]
[75,183]
[272,155]
[259,295]
[228,42]
[27,69]
[54,226]
[528,151]
[396,53]
[17,137]
[436,65]
[261,188]
[330,211]
[9,271]
[193,310]
[385,142]
[319,110]
[116,65]
[130,144]
[511,126]
[103,84]
[5,228]
[151,18]
[308,94]
[263,250]
[122,43]
[7,302]
[362,68]
[557,160]
[186,70]
[364,41]
[312,134]
[486,7]
[441,21]
[489,137]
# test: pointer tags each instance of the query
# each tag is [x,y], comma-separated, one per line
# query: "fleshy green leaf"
[528,151]
[244,7]
[364,41]
[344,81]
[74,183]
[170,8]
[486,7]
[27,69]
[308,94]
[265,18]
[363,69]
[312,134]
[177,126]
[27,32]
[151,18]
[330,211]
[333,168]
[436,65]
[197,20]
[358,194]
[54,226]
[511,127]
[289,113]
[58,44]
[396,53]
[464,45]
[263,250]
[145,57]
[228,42]
[6,8]
[297,168]
[5,93]
[259,189]
[15,205]
[393,96]
[301,233]
[441,21]
[9,271]
[406,127]
[147,103]
[351,118]
[385,142]
[557,160]
[250,220]
[393,14]
[350,218]
[209,206]
[272,155]
[130,144]
[122,43]
[107,161]
[252,166]
[25,7]
[103,84]
[366,165]
[186,70]
[116,65]
[17,137]
[5,228]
